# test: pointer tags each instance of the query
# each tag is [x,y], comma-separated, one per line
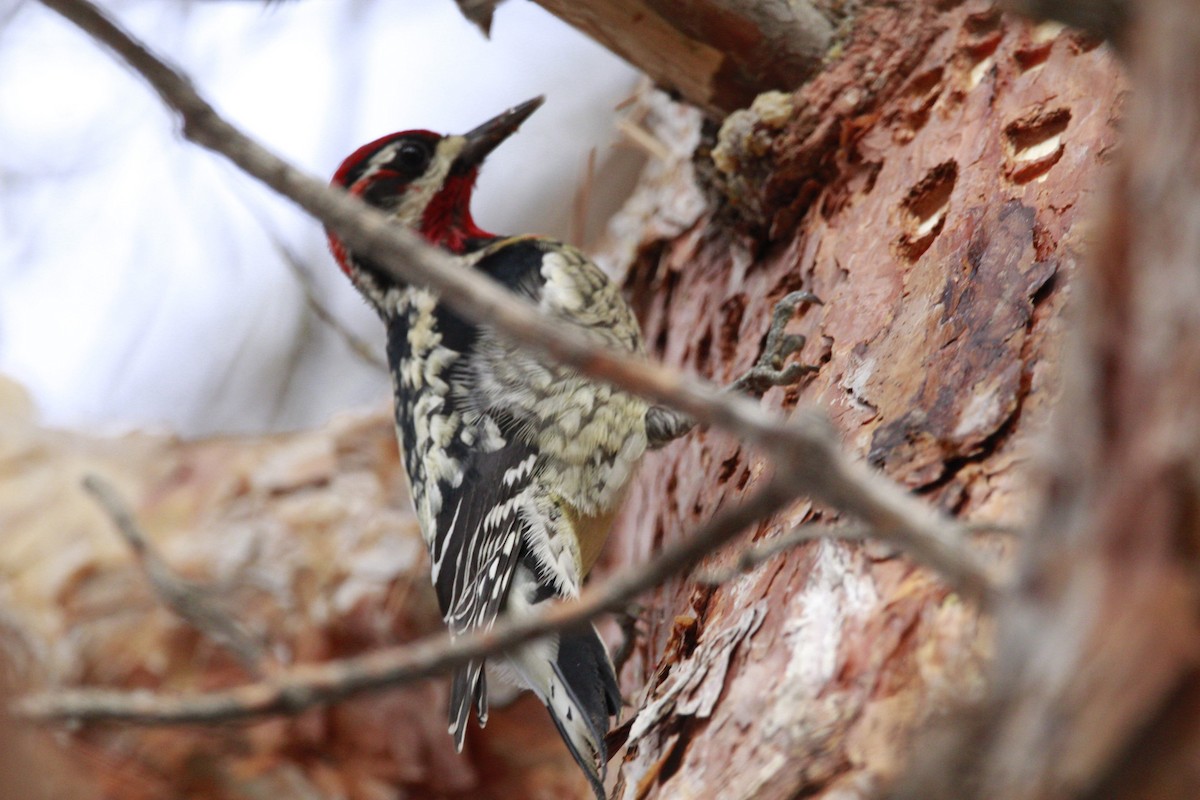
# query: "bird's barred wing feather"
[477,536]
[475,550]
[564,283]
[475,524]
[508,392]
[467,478]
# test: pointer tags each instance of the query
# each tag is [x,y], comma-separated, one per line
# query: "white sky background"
[138,284]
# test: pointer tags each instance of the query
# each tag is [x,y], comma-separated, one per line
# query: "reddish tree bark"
[928,185]
[1096,687]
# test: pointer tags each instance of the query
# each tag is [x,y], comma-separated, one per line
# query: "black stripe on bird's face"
[381,169]
[397,174]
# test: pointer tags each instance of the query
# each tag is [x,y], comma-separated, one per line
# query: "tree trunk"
[1097,679]
[928,186]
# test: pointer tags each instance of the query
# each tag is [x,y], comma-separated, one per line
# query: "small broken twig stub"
[357,344]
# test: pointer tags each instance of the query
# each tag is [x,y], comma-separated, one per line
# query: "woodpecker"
[516,465]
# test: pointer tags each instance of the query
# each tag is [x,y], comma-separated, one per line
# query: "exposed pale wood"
[716,54]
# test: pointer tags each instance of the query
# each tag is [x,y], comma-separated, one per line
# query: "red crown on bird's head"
[424,180]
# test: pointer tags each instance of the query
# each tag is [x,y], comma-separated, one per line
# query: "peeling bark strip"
[935,208]
[715,54]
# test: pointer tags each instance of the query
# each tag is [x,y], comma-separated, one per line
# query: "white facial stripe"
[378,162]
[421,191]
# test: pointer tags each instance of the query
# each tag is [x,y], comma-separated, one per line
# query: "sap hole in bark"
[982,33]
[1035,144]
[703,352]
[925,82]
[660,341]
[924,90]
[729,466]
[1081,42]
[1034,51]
[1033,56]
[925,209]
[743,479]
[982,23]
[733,311]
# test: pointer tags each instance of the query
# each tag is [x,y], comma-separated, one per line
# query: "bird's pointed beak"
[488,136]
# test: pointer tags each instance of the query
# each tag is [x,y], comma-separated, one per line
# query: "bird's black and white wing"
[475,551]
[468,477]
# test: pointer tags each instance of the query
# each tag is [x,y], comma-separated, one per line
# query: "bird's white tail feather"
[575,722]
[572,675]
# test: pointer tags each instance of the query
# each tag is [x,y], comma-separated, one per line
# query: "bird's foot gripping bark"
[770,370]
[664,425]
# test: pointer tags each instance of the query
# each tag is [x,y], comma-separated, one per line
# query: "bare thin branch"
[751,557]
[304,276]
[193,603]
[643,140]
[298,688]
[806,455]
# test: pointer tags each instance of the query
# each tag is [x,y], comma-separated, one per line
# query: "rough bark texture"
[928,187]
[1097,689]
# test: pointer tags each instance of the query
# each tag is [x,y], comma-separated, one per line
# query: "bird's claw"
[770,369]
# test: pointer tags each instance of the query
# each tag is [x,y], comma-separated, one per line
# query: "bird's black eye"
[413,157]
